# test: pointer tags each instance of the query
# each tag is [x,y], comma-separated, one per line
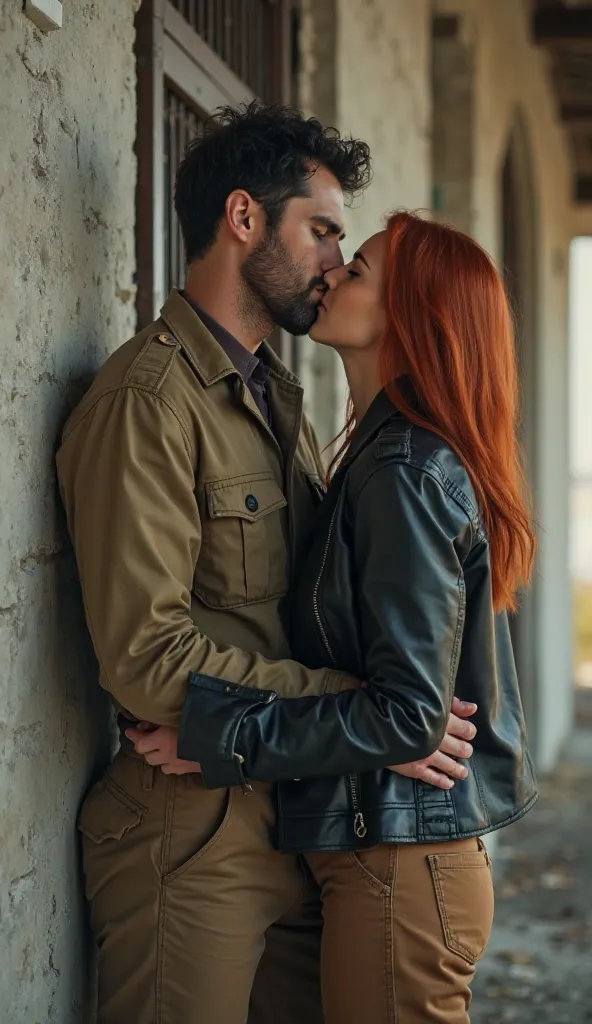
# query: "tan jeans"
[195,915]
[403,929]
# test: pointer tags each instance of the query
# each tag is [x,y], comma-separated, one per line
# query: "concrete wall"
[365,68]
[67,173]
[512,79]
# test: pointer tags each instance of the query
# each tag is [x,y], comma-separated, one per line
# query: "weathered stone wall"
[67,176]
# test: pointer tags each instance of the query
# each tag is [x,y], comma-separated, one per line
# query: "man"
[189,478]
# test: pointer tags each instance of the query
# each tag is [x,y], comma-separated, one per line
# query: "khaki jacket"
[186,514]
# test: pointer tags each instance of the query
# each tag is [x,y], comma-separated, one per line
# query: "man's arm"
[127,479]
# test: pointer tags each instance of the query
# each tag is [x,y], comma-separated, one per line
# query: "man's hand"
[159,747]
[440,769]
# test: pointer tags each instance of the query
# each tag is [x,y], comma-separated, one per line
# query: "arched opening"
[518,250]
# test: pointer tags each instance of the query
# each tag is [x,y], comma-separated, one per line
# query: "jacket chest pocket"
[244,551]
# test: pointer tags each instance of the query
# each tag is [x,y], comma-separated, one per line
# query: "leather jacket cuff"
[211,718]
[224,774]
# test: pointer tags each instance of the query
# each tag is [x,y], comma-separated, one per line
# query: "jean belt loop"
[147,777]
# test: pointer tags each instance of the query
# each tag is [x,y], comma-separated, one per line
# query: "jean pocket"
[197,820]
[464,894]
[376,865]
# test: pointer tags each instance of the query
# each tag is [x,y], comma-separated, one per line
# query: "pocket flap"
[249,497]
[108,813]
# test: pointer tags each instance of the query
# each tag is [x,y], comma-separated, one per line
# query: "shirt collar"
[244,361]
[207,357]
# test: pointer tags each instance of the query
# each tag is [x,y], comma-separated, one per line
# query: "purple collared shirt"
[252,369]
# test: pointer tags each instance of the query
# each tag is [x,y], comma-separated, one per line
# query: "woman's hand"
[441,769]
[159,747]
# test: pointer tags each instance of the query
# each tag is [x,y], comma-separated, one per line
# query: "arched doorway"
[518,250]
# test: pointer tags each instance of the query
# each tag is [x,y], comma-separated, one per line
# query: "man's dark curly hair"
[271,152]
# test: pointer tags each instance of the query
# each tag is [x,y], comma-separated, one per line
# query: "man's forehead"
[324,188]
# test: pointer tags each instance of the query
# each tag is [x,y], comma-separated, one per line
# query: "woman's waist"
[361,810]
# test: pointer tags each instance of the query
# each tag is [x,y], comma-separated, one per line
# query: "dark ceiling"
[564,29]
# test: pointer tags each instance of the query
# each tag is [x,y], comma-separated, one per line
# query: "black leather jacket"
[396,590]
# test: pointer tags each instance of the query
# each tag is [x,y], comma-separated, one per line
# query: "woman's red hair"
[449,329]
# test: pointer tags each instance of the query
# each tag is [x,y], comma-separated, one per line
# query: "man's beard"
[276,290]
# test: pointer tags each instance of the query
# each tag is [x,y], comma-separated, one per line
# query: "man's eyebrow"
[332,226]
[360,256]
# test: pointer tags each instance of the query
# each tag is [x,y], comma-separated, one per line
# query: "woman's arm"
[410,538]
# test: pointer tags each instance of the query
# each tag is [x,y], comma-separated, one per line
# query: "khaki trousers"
[404,926]
[197,919]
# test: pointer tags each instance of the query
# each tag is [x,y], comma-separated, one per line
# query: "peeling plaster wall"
[67,176]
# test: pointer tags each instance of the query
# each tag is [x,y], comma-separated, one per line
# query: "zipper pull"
[360,825]
[244,782]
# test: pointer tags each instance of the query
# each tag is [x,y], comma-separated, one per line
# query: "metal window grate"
[181,124]
[243,33]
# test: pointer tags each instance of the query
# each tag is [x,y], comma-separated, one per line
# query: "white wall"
[67,176]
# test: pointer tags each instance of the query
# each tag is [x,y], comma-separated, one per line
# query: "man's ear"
[243,216]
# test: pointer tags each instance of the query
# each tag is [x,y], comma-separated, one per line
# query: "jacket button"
[251,503]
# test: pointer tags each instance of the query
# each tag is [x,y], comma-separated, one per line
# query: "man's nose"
[333,258]
[333,277]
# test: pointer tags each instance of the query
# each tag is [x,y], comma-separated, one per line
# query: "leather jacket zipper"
[315,593]
[353,779]
[359,823]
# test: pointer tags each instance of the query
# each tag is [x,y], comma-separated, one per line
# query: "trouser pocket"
[464,894]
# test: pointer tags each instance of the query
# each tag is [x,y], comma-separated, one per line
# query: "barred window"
[193,56]
[181,125]
[243,33]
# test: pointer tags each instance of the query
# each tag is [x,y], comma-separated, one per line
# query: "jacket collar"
[381,410]
[207,357]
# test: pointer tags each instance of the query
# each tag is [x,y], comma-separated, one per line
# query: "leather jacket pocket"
[243,557]
[464,894]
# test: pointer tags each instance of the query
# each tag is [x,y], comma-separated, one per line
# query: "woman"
[417,555]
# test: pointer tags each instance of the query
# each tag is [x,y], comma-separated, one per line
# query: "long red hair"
[449,329]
